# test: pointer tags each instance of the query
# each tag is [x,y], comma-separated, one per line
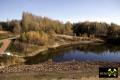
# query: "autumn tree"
[68,28]
[90,28]
[37,23]
[15,27]
[114,30]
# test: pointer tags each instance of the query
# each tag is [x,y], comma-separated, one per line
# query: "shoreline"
[67,44]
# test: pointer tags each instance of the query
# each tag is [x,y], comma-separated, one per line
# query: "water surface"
[105,53]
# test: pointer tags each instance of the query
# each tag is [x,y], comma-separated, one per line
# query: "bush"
[19,46]
[35,37]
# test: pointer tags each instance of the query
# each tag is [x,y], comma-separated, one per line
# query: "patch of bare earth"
[5,45]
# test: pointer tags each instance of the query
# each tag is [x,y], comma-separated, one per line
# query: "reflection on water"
[109,53]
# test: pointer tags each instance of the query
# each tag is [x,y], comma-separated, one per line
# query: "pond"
[105,53]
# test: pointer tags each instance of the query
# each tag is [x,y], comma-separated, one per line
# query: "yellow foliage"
[37,37]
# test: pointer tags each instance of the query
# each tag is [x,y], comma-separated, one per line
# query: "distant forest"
[36,29]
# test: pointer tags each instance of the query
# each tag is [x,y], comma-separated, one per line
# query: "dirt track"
[5,45]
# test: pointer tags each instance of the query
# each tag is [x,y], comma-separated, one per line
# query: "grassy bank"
[65,41]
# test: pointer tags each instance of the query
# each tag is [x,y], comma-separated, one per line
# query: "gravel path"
[54,71]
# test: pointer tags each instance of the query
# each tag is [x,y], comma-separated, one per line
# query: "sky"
[63,10]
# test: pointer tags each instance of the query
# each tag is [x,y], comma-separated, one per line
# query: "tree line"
[32,28]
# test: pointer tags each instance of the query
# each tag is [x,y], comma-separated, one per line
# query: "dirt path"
[5,45]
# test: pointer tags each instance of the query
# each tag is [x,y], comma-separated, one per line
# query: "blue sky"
[63,10]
